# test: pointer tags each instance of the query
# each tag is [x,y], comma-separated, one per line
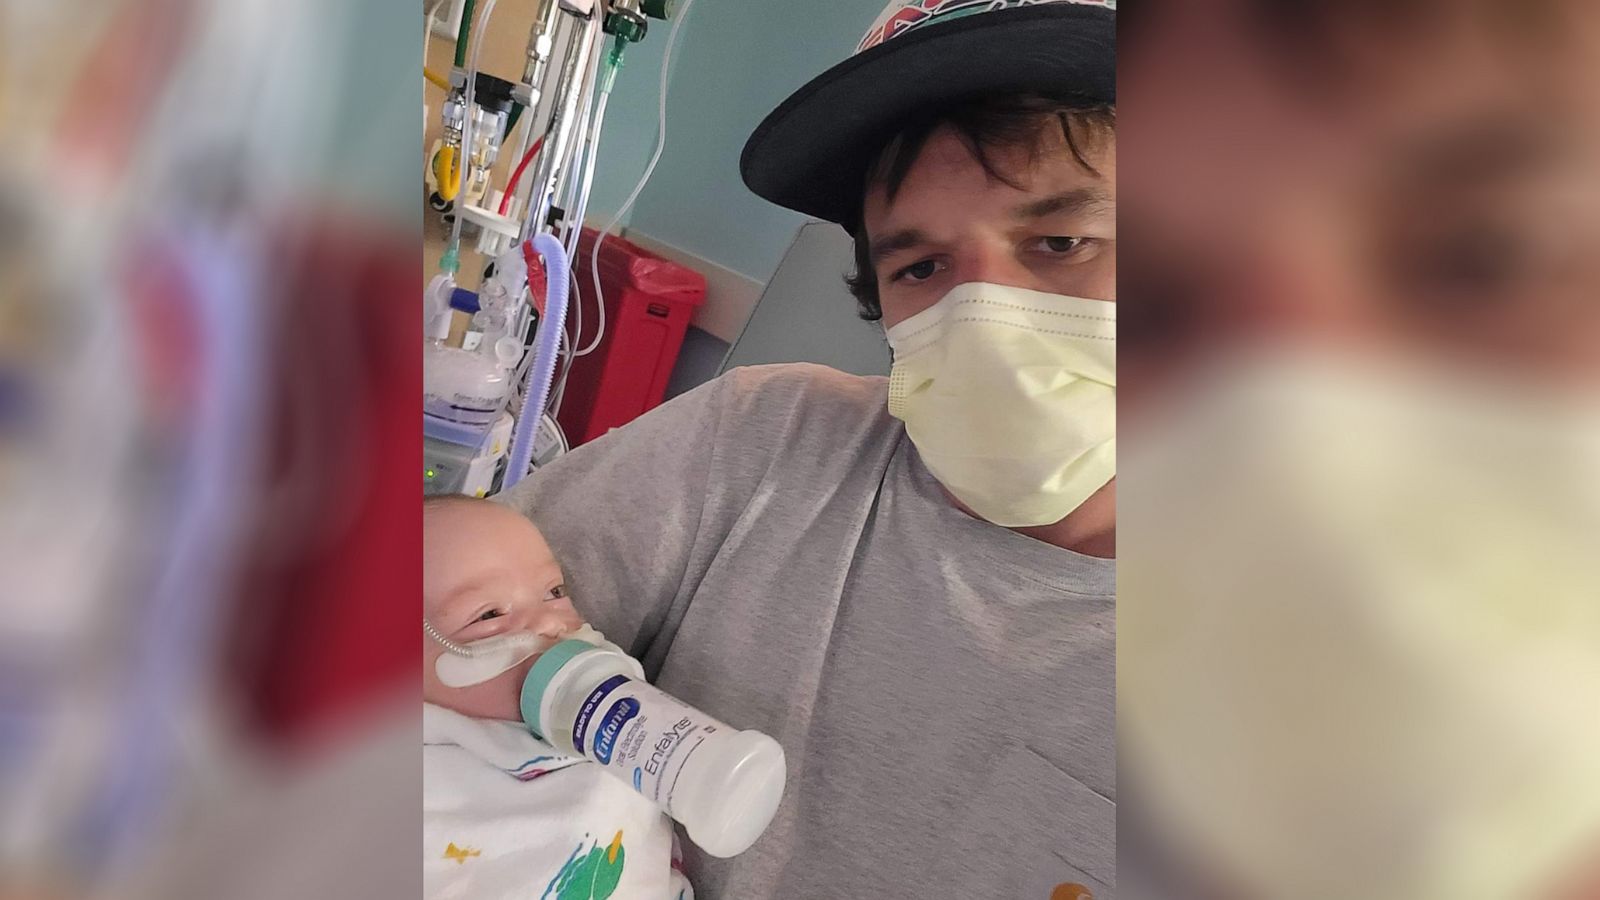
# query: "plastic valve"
[626,24]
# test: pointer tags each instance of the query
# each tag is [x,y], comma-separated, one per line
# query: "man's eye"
[1059,244]
[1480,268]
[491,614]
[918,271]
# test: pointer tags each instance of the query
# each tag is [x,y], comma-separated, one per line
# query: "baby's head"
[486,572]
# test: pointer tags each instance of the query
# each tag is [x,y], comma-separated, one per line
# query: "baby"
[504,813]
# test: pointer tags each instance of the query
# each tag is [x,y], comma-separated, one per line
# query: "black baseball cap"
[812,153]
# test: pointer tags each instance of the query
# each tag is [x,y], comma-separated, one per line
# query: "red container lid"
[625,263]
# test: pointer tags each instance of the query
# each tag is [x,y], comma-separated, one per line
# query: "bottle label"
[641,734]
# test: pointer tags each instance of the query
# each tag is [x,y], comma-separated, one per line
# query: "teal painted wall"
[736,61]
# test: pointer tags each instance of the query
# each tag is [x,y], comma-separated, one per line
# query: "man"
[920,611]
[1358,649]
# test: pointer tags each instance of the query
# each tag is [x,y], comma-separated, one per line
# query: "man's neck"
[1091,529]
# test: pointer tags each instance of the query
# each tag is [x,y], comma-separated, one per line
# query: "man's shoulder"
[779,390]
[802,411]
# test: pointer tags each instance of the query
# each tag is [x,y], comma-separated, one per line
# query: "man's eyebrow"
[1480,151]
[896,242]
[1081,200]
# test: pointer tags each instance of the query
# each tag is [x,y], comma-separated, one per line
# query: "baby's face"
[487,571]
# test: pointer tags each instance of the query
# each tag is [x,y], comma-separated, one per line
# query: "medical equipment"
[469,386]
[575,51]
[462,460]
[537,390]
[464,665]
[491,110]
[465,386]
[465,390]
[722,785]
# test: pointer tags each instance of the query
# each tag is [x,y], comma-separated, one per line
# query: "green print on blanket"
[590,873]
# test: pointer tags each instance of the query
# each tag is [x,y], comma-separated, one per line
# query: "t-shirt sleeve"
[622,514]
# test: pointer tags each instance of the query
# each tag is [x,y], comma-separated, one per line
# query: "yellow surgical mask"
[1010,397]
[1358,629]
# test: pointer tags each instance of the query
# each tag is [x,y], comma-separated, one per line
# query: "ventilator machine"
[488,402]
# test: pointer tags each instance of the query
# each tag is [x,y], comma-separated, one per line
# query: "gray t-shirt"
[771,547]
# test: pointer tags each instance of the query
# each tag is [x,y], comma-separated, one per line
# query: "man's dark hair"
[986,125]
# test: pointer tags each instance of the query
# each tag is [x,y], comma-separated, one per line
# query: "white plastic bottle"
[723,785]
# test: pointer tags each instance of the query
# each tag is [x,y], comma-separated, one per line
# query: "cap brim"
[811,154]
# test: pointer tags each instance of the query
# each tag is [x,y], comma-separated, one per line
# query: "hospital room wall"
[697,201]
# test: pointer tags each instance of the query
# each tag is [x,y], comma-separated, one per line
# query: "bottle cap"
[538,678]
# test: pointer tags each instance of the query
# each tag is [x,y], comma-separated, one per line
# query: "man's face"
[1434,194]
[951,223]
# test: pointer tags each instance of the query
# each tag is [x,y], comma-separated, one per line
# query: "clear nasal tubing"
[449,645]
[464,665]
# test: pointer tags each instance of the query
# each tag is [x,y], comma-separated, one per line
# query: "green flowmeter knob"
[657,9]
[626,24]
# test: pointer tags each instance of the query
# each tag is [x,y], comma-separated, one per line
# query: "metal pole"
[569,93]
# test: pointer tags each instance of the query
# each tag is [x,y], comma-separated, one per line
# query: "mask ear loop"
[446,643]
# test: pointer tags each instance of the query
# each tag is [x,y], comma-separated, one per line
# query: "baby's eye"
[491,614]
[557,592]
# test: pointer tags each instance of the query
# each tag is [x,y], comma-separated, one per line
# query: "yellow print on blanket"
[460,854]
